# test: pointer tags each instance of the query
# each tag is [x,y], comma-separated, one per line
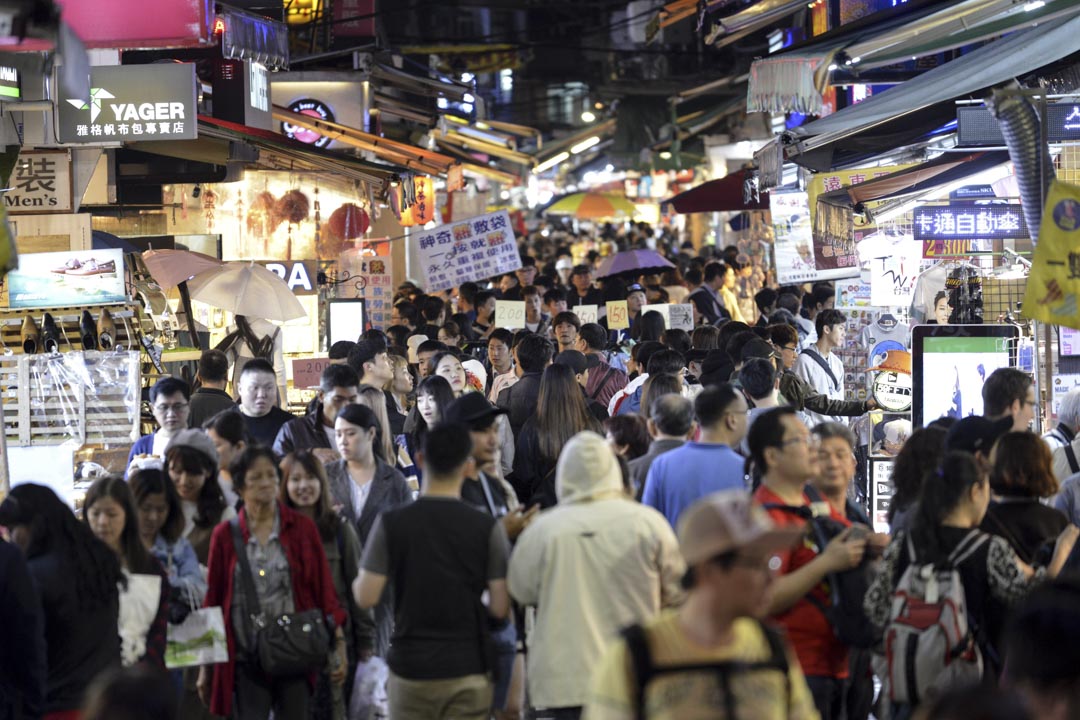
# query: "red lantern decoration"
[348,222]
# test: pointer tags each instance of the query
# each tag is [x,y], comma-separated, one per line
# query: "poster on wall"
[794,242]
[852,294]
[40,183]
[89,277]
[369,277]
[471,250]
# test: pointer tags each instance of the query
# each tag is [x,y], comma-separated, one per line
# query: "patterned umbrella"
[593,206]
[636,261]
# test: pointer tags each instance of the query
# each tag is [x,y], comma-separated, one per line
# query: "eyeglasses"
[174,408]
[791,348]
[809,441]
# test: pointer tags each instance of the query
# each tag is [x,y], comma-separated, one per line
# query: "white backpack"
[929,645]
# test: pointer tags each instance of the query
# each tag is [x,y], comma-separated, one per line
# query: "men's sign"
[40,183]
[132,103]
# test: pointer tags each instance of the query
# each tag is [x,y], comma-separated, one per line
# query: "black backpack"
[847,589]
[637,644]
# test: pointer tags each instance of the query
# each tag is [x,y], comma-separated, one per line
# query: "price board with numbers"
[586,313]
[618,317]
[307,372]
[510,314]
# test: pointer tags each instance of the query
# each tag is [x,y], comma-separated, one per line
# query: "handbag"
[290,644]
[198,640]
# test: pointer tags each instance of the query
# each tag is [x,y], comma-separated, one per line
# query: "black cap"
[473,410]
[757,348]
[579,362]
[633,288]
[696,355]
[976,433]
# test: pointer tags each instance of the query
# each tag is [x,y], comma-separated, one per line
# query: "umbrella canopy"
[244,288]
[593,206]
[635,261]
[172,267]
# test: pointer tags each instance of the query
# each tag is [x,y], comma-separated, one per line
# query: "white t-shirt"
[811,371]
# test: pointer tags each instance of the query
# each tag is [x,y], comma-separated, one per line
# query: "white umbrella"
[244,288]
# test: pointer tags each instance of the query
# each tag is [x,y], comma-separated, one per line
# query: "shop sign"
[1062,385]
[299,275]
[85,277]
[369,277]
[307,372]
[312,108]
[794,243]
[881,492]
[132,103]
[676,317]
[471,250]
[852,293]
[40,183]
[966,222]
[9,83]
[933,249]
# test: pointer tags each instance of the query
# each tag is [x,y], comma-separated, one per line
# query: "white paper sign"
[470,250]
[586,313]
[1062,385]
[676,317]
[510,314]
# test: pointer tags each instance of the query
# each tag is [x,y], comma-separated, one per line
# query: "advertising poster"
[89,277]
[370,278]
[794,242]
[852,294]
[470,250]
[1062,385]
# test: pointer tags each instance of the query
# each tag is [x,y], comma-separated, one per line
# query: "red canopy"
[728,194]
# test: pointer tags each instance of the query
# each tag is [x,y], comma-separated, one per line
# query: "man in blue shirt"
[680,477]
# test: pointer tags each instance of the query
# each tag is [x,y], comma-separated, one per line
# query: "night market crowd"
[563,520]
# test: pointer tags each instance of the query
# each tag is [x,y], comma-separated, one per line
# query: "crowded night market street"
[521,360]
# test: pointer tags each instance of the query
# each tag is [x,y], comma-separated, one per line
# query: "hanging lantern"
[423,210]
[348,222]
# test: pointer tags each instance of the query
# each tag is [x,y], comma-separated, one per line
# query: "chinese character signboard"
[87,277]
[970,222]
[470,250]
[40,183]
[369,277]
[132,103]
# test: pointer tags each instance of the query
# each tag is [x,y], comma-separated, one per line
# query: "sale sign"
[510,314]
[618,317]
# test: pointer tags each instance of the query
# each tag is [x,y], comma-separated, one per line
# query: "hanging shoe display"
[31,337]
[88,331]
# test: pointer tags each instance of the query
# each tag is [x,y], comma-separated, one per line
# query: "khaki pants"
[461,698]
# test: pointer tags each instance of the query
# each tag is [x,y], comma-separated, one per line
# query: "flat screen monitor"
[950,363]
[345,320]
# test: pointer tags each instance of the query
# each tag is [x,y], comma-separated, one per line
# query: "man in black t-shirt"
[440,555]
[258,390]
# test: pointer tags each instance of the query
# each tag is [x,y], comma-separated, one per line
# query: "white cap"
[414,342]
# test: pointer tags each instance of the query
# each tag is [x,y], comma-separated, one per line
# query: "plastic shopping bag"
[199,640]
[369,699]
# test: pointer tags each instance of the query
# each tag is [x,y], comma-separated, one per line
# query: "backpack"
[637,644]
[262,349]
[846,589]
[929,642]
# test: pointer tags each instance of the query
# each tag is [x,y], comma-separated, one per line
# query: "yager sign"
[132,103]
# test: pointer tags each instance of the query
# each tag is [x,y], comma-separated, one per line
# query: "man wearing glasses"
[169,398]
[786,454]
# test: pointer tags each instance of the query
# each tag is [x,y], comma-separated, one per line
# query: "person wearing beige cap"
[594,563]
[713,657]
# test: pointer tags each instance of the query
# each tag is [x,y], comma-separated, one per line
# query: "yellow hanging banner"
[1053,285]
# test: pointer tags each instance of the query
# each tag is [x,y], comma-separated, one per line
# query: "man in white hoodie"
[593,564]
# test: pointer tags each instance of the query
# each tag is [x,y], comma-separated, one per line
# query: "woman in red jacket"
[291,574]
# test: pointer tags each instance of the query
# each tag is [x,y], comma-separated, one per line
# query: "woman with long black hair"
[78,579]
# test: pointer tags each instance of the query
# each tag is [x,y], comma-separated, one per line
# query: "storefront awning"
[731,193]
[905,112]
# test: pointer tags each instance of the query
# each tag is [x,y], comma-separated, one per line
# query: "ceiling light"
[1035,5]
[588,116]
[666,155]
[551,162]
[585,145]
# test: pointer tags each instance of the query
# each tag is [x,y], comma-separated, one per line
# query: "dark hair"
[467,291]
[648,327]
[979,702]
[828,318]
[438,357]
[213,366]
[397,334]
[139,692]
[374,335]
[582,269]
[715,270]
[408,313]
[665,361]
[171,386]
[88,564]
[766,432]
[736,343]
[256,365]
[451,328]
[677,339]
[643,352]
[561,412]
[431,307]
[829,430]
[672,414]
[566,318]
[921,453]
[483,296]
[729,330]
[943,490]
[341,349]
[446,447]
[630,430]
[440,391]
[555,295]
[364,417]
[658,385]
[243,462]
[782,316]
[781,335]
[132,550]
[364,352]
[693,277]
[432,346]
[758,377]
[534,352]
[1042,642]
[705,337]
[1023,466]
[229,425]
[941,295]
[594,335]
[145,482]
[788,301]
[712,403]
[211,501]
[325,517]
[337,376]
[765,298]
[819,295]
[1004,387]
[530,290]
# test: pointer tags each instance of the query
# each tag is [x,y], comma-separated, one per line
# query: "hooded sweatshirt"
[593,564]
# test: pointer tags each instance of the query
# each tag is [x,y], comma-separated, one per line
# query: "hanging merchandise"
[1054,281]
[892,382]
[964,286]
[894,265]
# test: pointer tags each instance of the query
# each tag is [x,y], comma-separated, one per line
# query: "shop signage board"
[510,314]
[794,242]
[132,103]
[299,275]
[881,492]
[87,277]
[1068,341]
[969,222]
[471,250]
[1062,385]
[369,277]
[313,108]
[40,183]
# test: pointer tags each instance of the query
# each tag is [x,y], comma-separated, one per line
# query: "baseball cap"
[976,433]
[633,288]
[729,520]
[196,440]
[579,362]
[474,410]
[757,348]
[895,361]
[414,342]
